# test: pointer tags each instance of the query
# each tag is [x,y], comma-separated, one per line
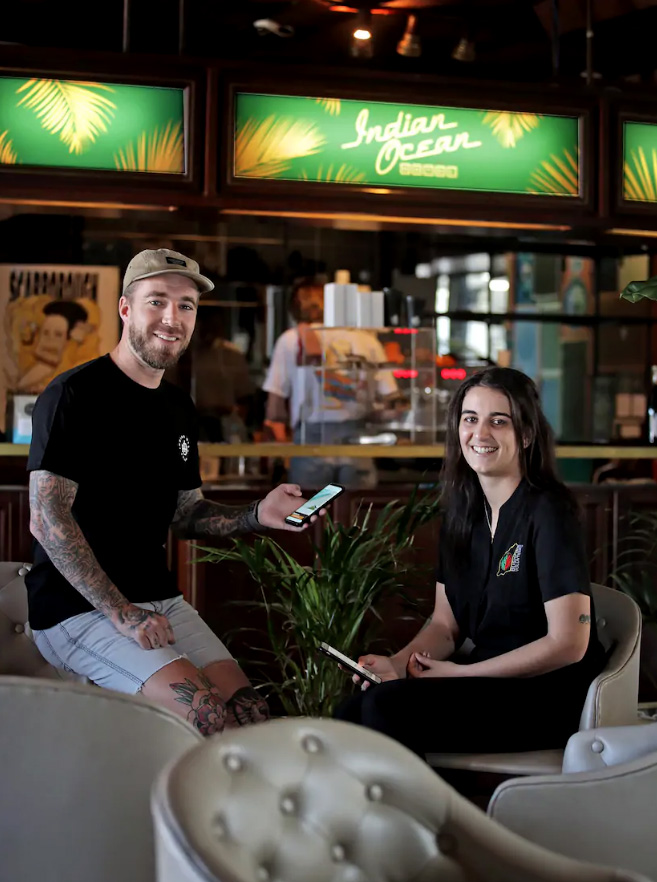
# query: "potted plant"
[355,568]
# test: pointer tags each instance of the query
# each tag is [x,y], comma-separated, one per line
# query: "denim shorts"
[89,645]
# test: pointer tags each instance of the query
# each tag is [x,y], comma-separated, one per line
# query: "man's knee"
[187,691]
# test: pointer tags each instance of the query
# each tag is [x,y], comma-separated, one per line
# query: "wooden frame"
[633,110]
[45,183]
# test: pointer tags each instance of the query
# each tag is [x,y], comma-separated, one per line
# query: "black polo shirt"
[498,594]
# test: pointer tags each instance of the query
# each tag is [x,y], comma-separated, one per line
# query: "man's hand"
[147,628]
[382,665]
[420,664]
[281,502]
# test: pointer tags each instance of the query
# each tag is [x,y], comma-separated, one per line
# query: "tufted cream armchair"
[77,765]
[603,807]
[303,800]
[612,699]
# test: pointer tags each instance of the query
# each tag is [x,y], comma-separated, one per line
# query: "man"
[62,321]
[114,463]
[324,385]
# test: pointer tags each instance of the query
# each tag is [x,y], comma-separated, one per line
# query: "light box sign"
[375,143]
[640,162]
[102,126]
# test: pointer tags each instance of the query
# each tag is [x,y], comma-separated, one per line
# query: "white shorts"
[89,645]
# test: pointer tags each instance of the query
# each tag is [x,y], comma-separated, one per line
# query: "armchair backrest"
[613,695]
[300,799]
[77,769]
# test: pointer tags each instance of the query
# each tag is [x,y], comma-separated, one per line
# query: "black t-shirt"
[498,594]
[130,450]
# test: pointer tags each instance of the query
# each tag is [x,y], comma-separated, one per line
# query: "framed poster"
[53,318]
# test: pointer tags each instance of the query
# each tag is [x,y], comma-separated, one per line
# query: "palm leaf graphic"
[159,151]
[7,153]
[640,178]
[265,149]
[560,177]
[330,105]
[77,111]
[345,174]
[509,128]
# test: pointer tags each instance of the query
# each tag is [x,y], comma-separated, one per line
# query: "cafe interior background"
[484,172]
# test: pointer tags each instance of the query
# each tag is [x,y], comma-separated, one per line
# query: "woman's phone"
[349,663]
[320,500]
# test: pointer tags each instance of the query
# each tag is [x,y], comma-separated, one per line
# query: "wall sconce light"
[464,50]
[410,45]
[361,38]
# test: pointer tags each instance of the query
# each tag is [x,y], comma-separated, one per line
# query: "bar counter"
[377,451]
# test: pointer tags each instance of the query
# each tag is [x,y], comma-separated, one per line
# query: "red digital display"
[405,374]
[405,331]
[453,373]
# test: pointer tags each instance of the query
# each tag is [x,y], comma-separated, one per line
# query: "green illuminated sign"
[640,162]
[82,125]
[405,145]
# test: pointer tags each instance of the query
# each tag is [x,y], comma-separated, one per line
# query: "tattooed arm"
[197,517]
[53,526]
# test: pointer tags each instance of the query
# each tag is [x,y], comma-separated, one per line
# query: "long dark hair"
[462,493]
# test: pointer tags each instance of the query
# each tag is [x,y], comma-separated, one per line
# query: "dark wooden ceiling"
[513,39]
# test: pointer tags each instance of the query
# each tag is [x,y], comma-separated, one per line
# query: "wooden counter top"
[402,451]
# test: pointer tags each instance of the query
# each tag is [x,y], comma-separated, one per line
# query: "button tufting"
[263,874]
[233,763]
[288,805]
[597,746]
[23,571]
[311,745]
[337,852]
[375,792]
[19,629]
[446,843]
[219,826]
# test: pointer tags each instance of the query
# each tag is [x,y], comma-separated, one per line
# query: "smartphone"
[349,663]
[320,500]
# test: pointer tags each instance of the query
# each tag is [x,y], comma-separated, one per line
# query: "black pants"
[474,715]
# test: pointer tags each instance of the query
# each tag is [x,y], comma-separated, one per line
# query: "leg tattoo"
[207,708]
[246,706]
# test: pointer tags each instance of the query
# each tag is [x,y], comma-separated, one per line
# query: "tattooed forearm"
[246,706]
[52,524]
[584,619]
[197,517]
[207,709]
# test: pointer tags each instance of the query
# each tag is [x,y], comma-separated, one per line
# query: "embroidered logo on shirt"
[183,446]
[510,560]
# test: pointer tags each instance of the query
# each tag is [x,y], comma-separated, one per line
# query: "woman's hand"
[381,665]
[420,664]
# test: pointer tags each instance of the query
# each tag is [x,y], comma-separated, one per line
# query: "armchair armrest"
[595,749]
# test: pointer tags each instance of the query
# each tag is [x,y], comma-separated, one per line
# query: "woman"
[512,576]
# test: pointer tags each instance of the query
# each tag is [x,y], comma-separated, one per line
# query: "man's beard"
[150,353]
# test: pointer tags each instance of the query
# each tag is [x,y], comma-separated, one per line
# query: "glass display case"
[366,386]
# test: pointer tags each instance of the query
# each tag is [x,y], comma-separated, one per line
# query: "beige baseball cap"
[156,262]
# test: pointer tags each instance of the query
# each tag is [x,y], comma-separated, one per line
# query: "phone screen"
[319,500]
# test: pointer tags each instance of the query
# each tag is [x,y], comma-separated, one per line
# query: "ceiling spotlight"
[361,38]
[266,26]
[410,45]
[464,50]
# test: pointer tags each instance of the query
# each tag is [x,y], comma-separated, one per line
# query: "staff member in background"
[329,381]
[512,576]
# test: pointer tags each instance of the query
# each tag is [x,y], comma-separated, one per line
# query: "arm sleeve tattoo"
[52,524]
[197,517]
[584,619]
